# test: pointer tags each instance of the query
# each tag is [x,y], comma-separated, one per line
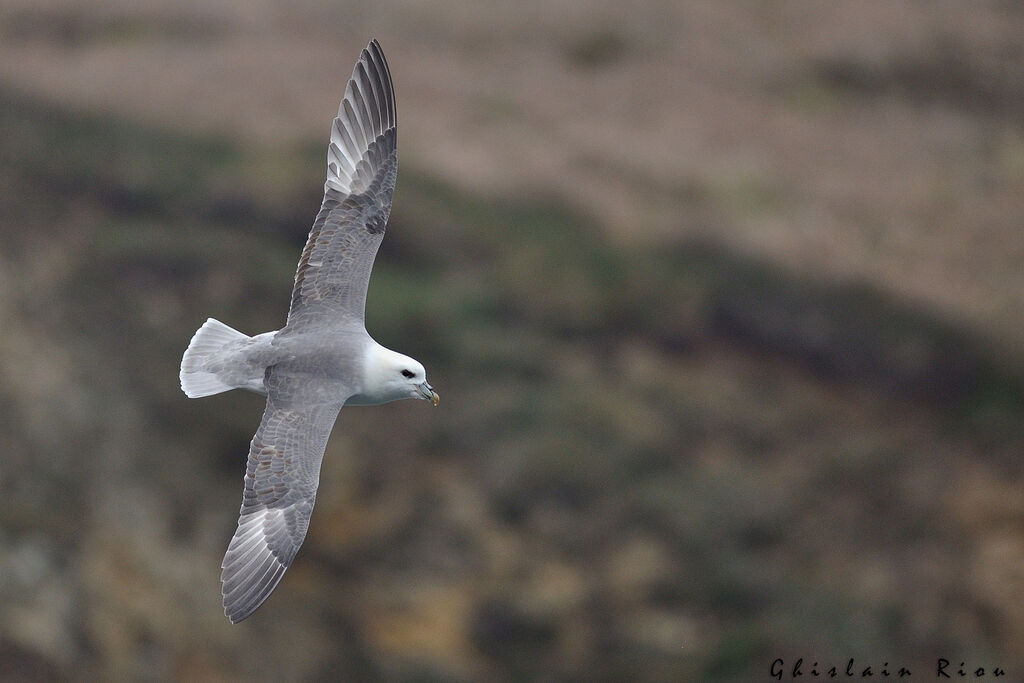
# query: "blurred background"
[724,302]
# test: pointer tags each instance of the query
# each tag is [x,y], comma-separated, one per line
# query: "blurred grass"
[753,428]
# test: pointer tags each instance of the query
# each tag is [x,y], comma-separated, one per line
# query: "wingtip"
[372,48]
[373,51]
[237,618]
[240,611]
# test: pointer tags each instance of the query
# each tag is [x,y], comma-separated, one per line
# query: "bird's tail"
[197,379]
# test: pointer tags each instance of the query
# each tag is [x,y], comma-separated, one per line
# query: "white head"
[390,376]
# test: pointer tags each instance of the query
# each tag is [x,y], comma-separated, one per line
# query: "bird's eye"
[408,373]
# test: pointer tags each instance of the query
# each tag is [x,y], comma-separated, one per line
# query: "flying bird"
[323,358]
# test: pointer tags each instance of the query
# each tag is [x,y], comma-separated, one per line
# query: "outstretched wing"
[281,478]
[362,164]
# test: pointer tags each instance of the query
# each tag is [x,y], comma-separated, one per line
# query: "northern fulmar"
[323,358]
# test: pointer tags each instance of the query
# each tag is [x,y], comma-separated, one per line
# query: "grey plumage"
[362,165]
[323,356]
[281,478]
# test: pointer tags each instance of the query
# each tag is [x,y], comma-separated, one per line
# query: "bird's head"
[390,376]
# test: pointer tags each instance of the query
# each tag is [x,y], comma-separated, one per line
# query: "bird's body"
[323,358]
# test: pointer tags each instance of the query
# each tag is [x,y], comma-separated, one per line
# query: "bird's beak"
[428,393]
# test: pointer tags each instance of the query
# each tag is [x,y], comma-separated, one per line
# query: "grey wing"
[362,164]
[281,479]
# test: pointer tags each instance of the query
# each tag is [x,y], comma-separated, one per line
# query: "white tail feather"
[208,339]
